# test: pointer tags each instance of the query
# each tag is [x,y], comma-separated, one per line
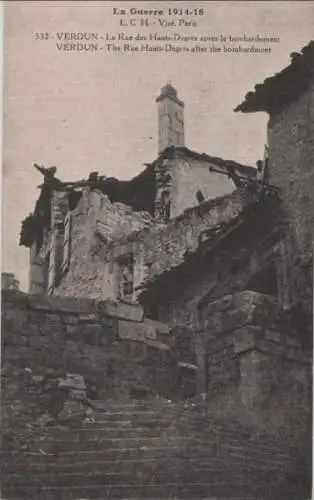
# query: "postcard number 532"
[41,36]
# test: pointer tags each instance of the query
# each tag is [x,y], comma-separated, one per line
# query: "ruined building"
[181,301]
[190,228]
[181,233]
[94,237]
[288,98]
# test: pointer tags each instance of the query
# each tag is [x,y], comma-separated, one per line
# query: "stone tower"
[170,118]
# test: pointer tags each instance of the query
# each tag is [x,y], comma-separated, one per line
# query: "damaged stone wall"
[290,139]
[9,281]
[121,354]
[181,177]
[38,270]
[219,275]
[59,206]
[103,232]
[165,247]
[248,257]
[251,344]
[110,344]
[192,175]
[116,220]
[82,233]
[41,254]
[96,223]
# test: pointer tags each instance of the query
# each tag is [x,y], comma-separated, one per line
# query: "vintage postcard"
[157,250]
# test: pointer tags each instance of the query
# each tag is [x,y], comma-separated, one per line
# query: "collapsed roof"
[226,165]
[139,192]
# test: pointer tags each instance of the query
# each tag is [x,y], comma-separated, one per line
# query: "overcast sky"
[85,111]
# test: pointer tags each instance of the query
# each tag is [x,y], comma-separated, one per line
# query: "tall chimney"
[170,118]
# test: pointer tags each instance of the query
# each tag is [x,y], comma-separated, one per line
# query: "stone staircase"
[151,449]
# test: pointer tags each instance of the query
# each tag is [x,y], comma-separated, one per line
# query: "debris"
[72,381]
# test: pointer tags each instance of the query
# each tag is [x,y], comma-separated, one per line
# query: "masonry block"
[136,331]
[132,312]
[63,304]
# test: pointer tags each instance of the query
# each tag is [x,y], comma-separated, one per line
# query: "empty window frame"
[125,276]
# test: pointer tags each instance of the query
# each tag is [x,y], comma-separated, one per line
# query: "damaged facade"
[288,98]
[181,302]
[94,237]
[190,228]
[9,282]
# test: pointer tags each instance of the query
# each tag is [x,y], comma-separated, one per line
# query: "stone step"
[89,429]
[163,419]
[140,404]
[137,467]
[167,445]
[152,404]
[171,490]
[213,477]
[111,465]
[168,498]
[124,415]
[123,473]
[200,410]
[87,462]
[101,423]
[93,455]
[163,413]
[144,472]
[132,419]
[186,422]
[135,404]
[73,451]
[101,440]
[160,454]
[91,432]
[91,438]
[59,446]
[148,426]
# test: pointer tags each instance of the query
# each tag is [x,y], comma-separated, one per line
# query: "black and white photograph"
[157,250]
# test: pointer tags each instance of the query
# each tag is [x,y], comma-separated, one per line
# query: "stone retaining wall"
[108,342]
